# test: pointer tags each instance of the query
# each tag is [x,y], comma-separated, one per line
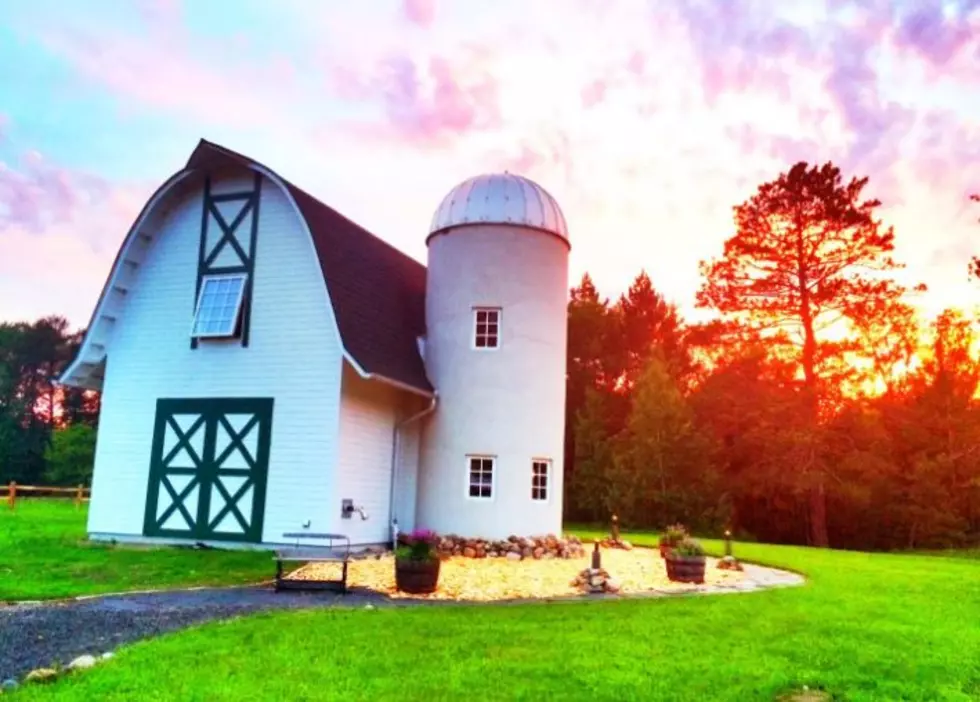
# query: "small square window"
[480,486]
[539,480]
[487,327]
[219,305]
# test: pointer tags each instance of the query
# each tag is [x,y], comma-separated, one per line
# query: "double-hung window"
[540,472]
[480,477]
[486,330]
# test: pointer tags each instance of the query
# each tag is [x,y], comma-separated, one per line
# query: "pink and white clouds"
[648,121]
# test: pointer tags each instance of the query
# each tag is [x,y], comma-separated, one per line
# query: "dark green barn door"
[208,469]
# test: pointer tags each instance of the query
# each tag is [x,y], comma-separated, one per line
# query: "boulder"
[513,556]
[82,662]
[42,675]
[469,552]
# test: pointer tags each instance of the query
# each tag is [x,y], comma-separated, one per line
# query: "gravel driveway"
[40,635]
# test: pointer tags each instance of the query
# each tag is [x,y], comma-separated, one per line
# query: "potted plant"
[685,561]
[671,536]
[417,562]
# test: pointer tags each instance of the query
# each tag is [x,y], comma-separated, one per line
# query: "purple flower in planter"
[424,535]
[420,545]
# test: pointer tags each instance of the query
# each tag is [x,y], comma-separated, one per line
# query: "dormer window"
[486,327]
[219,306]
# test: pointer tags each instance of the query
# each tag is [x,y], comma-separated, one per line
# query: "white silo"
[496,316]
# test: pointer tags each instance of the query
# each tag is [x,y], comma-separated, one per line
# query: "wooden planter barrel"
[685,569]
[417,577]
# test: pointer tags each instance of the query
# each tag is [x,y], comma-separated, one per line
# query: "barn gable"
[377,292]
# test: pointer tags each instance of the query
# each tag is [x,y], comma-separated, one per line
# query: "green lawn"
[44,554]
[866,627]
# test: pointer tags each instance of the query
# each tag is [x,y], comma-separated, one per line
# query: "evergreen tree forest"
[47,432]
[815,407]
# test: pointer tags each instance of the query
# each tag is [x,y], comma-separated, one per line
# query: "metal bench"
[313,553]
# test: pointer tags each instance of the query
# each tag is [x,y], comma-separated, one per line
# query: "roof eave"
[400,385]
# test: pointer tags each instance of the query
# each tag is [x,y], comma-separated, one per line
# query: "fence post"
[78,496]
[11,494]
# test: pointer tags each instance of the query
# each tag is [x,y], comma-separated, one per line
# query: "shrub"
[673,535]
[71,455]
[688,547]
[419,545]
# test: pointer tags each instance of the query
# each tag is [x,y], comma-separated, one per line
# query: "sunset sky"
[647,121]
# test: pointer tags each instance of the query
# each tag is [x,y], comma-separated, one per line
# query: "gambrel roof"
[377,292]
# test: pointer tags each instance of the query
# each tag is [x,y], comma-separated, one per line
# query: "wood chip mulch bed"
[491,579]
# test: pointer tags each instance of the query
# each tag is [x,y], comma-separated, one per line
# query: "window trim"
[474,333]
[470,457]
[548,463]
[234,333]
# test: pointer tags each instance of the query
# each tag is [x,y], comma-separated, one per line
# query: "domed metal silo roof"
[500,198]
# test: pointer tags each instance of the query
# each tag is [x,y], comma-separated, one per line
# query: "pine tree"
[807,253]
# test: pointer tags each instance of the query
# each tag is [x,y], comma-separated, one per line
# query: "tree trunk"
[817,497]
[818,515]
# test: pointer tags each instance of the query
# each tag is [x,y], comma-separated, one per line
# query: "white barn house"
[266,365]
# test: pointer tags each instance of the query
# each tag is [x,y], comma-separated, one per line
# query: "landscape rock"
[595,581]
[513,556]
[729,563]
[42,675]
[8,684]
[610,542]
[107,655]
[82,662]
[550,546]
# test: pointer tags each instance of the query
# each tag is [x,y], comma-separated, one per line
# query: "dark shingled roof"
[378,293]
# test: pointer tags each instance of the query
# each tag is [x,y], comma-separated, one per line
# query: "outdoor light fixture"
[728,542]
[596,557]
[615,528]
[347,509]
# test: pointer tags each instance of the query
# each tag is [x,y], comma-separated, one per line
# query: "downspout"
[396,432]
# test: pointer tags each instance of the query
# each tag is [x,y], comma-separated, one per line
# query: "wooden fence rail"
[80,493]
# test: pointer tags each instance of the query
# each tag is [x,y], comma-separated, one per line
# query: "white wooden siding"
[368,411]
[294,355]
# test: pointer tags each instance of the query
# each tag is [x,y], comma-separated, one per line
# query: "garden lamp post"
[596,557]
[728,542]
[615,528]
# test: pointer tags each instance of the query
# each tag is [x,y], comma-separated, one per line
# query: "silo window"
[480,477]
[539,480]
[487,328]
